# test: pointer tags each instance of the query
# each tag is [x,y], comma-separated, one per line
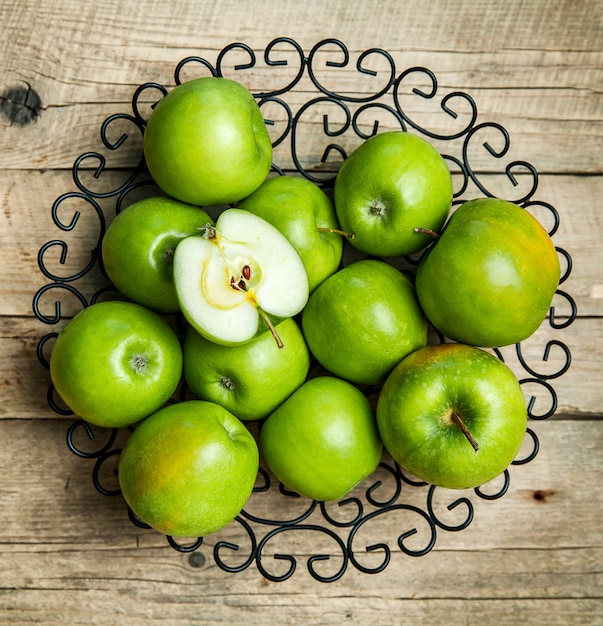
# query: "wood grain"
[69,554]
[548,100]
[29,196]
[24,381]
[518,555]
[552,130]
[579,390]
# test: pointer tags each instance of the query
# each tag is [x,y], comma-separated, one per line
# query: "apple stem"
[426,231]
[241,285]
[208,231]
[337,231]
[279,341]
[457,419]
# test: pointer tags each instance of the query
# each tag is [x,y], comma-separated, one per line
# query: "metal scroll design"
[311,137]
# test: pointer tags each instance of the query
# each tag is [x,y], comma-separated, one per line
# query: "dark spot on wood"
[541,495]
[21,105]
[196,559]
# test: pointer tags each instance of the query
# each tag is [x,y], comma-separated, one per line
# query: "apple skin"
[490,278]
[299,208]
[138,249]
[189,469]
[388,186]
[363,320]
[323,440]
[206,142]
[414,415]
[249,380]
[95,368]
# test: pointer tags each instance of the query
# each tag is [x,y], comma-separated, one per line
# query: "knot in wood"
[21,104]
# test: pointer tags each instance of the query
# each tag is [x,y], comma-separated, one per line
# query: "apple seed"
[241,285]
[245,275]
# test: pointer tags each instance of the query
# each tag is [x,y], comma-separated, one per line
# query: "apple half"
[233,277]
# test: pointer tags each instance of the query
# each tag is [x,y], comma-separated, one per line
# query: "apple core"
[234,278]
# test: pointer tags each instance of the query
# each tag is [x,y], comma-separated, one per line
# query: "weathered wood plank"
[24,381]
[49,498]
[63,540]
[26,224]
[545,90]
[543,124]
[70,555]
[513,34]
[140,607]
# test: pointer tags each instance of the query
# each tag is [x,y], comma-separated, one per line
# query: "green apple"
[490,278]
[391,184]
[305,215]
[115,363]
[249,380]
[452,415]
[206,142]
[363,320]
[323,440]
[138,249]
[233,277]
[189,469]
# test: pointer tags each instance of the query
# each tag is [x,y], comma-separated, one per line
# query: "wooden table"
[71,555]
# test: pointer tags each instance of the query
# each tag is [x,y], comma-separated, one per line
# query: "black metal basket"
[304,111]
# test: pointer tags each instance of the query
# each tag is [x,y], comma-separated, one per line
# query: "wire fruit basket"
[313,128]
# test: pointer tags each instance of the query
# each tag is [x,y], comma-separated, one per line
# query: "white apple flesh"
[236,274]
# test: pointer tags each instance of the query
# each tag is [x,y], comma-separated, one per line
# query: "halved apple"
[236,275]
